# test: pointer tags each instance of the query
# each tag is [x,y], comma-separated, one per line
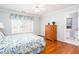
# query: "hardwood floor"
[58,47]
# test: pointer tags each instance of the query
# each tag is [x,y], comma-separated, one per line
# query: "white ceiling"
[30,8]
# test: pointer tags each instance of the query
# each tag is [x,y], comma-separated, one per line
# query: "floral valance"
[21,17]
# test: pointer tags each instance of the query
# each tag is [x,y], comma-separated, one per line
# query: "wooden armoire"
[51,32]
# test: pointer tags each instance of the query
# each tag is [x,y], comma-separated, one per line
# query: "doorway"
[72,27]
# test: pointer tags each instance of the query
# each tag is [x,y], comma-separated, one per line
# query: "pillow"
[1,35]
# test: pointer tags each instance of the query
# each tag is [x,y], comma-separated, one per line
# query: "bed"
[26,43]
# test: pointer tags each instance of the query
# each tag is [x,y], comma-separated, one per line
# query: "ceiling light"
[37,9]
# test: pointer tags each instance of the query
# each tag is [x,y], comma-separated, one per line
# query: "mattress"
[26,43]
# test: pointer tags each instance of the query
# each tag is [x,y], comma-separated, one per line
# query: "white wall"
[37,25]
[59,17]
[5,18]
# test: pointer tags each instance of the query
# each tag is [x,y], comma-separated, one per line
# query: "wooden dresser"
[51,32]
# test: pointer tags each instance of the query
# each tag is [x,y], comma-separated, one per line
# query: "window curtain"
[21,23]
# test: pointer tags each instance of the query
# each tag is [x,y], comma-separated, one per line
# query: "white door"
[72,27]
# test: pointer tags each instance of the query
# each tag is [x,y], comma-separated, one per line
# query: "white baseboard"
[70,42]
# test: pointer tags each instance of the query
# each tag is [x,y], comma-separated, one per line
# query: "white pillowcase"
[1,35]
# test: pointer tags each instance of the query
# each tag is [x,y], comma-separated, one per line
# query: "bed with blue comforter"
[26,43]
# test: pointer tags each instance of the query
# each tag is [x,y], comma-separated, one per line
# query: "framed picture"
[69,23]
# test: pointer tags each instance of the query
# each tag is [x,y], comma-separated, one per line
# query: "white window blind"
[21,24]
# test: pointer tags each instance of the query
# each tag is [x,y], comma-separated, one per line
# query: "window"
[21,24]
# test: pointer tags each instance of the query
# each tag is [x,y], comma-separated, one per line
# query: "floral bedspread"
[26,43]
